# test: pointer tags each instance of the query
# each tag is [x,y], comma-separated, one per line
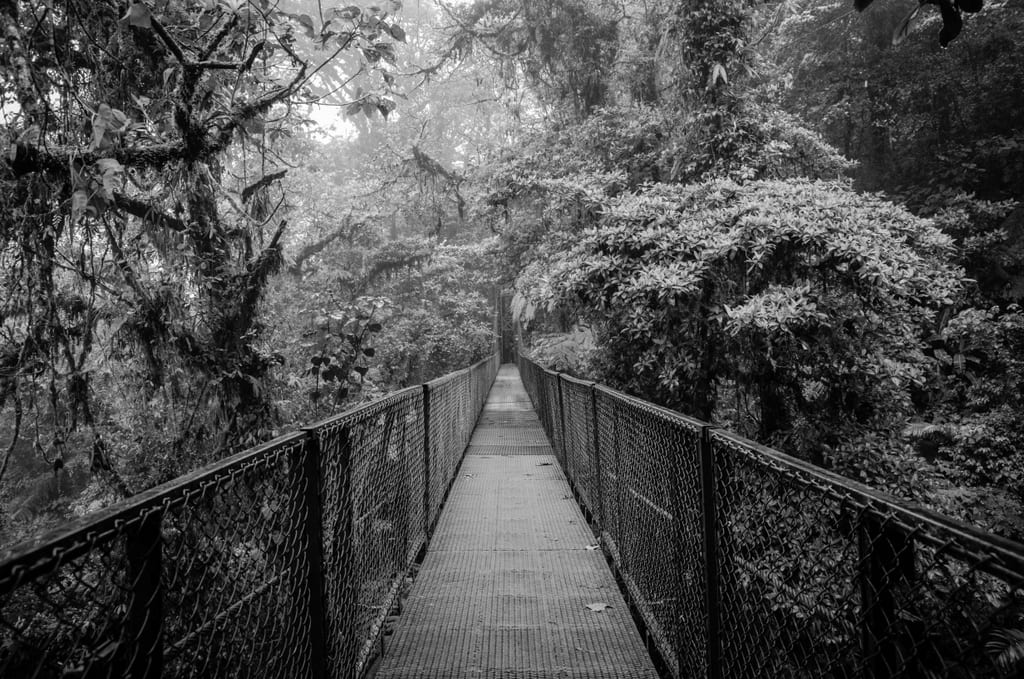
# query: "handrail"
[20,560]
[744,561]
[282,560]
[286,560]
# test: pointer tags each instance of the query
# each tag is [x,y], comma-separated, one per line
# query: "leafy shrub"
[570,352]
[803,298]
[980,373]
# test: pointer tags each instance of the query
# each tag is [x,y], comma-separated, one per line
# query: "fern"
[568,352]
[1006,647]
[920,430]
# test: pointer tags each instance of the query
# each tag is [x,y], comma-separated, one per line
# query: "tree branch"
[259,269]
[252,55]
[25,159]
[249,110]
[121,261]
[149,213]
[317,247]
[17,431]
[217,39]
[267,180]
[231,65]
[171,43]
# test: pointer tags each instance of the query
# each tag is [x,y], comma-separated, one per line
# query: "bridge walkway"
[512,585]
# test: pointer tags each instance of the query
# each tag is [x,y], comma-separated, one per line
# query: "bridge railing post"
[426,462]
[712,579]
[561,430]
[886,561]
[309,475]
[599,479]
[144,617]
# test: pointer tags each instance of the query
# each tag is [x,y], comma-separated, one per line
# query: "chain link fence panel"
[455,402]
[744,562]
[280,561]
[580,462]
[373,518]
[824,577]
[542,387]
[205,576]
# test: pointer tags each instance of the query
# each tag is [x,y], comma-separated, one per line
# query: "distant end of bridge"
[513,583]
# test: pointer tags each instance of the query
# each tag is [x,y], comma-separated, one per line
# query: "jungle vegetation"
[224,218]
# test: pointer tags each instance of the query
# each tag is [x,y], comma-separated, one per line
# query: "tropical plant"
[803,299]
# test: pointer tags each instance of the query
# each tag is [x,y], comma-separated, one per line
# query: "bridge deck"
[505,585]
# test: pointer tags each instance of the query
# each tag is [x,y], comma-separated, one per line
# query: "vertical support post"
[599,491]
[401,425]
[617,449]
[496,323]
[309,471]
[682,507]
[506,325]
[887,561]
[144,620]
[712,581]
[427,522]
[561,432]
[338,508]
[345,534]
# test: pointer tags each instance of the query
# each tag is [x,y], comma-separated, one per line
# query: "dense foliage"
[802,299]
[701,235]
[225,218]
[190,265]
[777,217]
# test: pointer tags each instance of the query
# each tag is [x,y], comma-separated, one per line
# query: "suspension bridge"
[508,521]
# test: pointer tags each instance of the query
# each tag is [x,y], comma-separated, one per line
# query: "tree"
[563,49]
[403,312]
[913,115]
[937,129]
[801,300]
[140,227]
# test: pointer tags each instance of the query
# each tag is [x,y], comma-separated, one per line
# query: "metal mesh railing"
[173,581]
[281,561]
[746,563]
[455,403]
[543,388]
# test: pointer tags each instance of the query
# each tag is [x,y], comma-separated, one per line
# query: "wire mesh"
[543,389]
[187,580]
[286,559]
[580,461]
[455,402]
[744,562]
[235,556]
[448,437]
[373,522]
[281,561]
[651,492]
[481,377]
[822,577]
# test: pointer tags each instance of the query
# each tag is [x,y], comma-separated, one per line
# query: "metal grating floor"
[504,588]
